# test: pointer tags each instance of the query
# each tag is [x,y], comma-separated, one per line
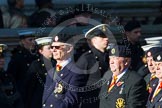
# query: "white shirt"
[120,75]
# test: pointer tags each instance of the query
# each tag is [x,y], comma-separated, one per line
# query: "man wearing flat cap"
[22,57]
[94,62]
[62,82]
[36,75]
[9,96]
[133,34]
[126,89]
[155,97]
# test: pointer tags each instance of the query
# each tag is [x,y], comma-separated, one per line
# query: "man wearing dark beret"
[151,63]
[126,89]
[133,34]
[94,62]
[62,82]
[155,97]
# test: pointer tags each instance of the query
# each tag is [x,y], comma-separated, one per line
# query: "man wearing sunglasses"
[22,57]
[94,63]
[62,82]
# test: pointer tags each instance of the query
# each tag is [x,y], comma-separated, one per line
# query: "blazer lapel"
[64,72]
[120,82]
[49,85]
[158,96]
[153,86]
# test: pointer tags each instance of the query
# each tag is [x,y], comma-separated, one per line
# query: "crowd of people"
[49,72]
[43,72]
[45,15]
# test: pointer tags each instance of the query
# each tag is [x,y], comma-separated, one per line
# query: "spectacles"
[57,47]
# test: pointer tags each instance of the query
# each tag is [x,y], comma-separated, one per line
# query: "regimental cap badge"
[120,103]
[113,51]
[104,28]
[158,57]
[149,54]
[56,38]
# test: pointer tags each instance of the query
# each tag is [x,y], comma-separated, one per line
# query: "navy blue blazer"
[61,88]
[157,101]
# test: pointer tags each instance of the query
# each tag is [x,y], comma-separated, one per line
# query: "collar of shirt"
[65,63]
[120,75]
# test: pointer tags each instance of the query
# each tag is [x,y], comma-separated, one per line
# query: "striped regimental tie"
[152,77]
[113,82]
[58,68]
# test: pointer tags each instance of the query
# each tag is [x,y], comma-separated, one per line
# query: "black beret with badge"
[120,51]
[152,51]
[158,57]
[100,30]
[67,39]
[26,33]
[3,47]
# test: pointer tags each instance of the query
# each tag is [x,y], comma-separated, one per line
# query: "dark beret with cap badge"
[158,57]
[120,50]
[152,51]
[67,39]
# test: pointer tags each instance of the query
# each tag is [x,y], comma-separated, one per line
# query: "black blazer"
[130,91]
[157,101]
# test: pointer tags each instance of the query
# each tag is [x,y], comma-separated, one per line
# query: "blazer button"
[61,74]
[51,105]
[56,95]
[44,105]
